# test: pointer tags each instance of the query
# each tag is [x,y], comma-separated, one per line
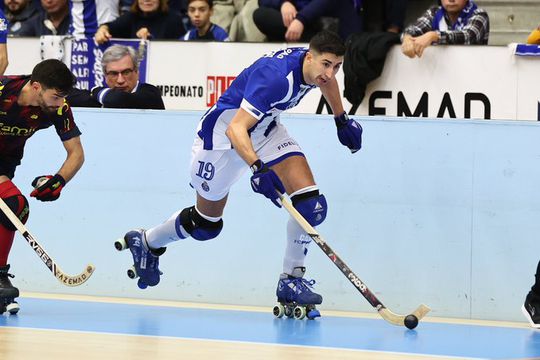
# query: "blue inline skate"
[145,260]
[295,297]
[8,292]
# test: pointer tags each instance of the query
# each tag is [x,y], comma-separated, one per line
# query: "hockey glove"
[349,132]
[98,93]
[265,181]
[47,187]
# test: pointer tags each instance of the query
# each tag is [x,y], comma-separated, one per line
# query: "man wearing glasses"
[123,89]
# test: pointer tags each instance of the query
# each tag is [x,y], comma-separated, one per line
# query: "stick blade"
[399,320]
[75,280]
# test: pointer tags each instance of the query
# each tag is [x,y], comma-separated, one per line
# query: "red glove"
[47,187]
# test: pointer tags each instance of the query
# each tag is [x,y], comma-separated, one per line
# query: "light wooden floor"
[22,344]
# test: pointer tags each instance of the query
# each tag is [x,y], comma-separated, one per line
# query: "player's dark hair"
[53,74]
[327,42]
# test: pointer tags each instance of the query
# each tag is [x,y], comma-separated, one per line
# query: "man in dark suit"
[123,90]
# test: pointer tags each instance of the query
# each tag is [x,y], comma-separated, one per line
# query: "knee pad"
[312,206]
[19,205]
[198,227]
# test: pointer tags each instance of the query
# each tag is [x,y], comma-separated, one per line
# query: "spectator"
[282,20]
[451,22]
[224,12]
[87,15]
[54,20]
[120,66]
[384,15]
[534,37]
[199,12]
[148,19]
[243,27]
[17,12]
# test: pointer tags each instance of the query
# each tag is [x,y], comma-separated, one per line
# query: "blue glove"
[349,132]
[265,181]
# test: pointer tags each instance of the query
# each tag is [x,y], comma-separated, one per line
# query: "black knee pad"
[198,227]
[19,205]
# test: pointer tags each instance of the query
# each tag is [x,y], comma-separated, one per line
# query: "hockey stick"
[410,321]
[64,278]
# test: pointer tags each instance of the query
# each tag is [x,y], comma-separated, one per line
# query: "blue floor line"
[470,341]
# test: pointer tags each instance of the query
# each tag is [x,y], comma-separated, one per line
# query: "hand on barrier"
[349,132]
[265,181]
[47,187]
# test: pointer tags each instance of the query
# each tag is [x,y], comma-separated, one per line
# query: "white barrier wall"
[435,211]
[482,82]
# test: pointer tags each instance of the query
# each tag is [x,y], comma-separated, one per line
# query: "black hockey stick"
[409,321]
[64,278]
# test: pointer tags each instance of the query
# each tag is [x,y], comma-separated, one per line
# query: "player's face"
[15,6]
[454,6]
[199,13]
[321,68]
[148,5]
[121,74]
[50,100]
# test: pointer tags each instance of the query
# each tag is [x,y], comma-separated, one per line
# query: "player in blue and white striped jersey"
[243,130]
[88,15]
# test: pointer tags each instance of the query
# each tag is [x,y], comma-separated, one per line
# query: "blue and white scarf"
[439,22]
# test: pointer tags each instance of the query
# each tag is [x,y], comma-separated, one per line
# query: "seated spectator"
[384,15]
[199,12]
[534,37]
[147,19]
[243,27]
[120,66]
[284,20]
[87,15]
[54,20]
[452,22]
[17,12]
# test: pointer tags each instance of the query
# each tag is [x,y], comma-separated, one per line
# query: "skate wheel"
[120,244]
[313,313]
[132,273]
[299,312]
[13,308]
[279,310]
[141,284]
[288,311]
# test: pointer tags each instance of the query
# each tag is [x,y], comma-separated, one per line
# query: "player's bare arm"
[237,132]
[74,159]
[330,91]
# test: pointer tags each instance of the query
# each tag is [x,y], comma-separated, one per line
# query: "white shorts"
[213,172]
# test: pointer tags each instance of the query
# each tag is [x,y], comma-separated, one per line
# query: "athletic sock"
[171,230]
[297,247]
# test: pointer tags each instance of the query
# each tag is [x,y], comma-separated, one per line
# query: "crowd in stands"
[446,22]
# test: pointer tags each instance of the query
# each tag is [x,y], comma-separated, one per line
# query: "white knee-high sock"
[297,246]
[167,232]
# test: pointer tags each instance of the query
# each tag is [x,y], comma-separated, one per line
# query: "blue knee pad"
[198,227]
[312,206]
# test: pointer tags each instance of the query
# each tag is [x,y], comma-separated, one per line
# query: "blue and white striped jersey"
[87,15]
[271,85]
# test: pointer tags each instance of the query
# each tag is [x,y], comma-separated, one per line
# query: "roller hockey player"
[242,131]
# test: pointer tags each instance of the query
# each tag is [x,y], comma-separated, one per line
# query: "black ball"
[411,321]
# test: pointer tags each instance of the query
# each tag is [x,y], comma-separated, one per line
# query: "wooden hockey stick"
[385,313]
[64,278]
